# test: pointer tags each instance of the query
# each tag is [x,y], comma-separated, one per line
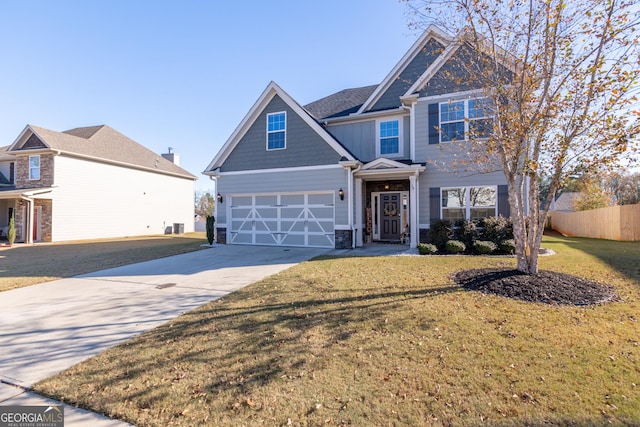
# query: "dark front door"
[390,216]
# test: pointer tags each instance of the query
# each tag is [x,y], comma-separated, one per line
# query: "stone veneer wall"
[221,235]
[22,172]
[45,219]
[343,239]
[424,235]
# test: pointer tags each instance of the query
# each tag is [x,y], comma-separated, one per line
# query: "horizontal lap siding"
[439,172]
[96,200]
[322,180]
[304,147]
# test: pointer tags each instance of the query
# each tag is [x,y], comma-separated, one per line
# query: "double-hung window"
[276,131]
[389,136]
[462,203]
[465,119]
[34,168]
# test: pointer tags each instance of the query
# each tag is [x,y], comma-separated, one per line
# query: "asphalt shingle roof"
[103,142]
[341,103]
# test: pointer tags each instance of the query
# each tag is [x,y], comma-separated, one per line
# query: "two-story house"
[359,165]
[90,182]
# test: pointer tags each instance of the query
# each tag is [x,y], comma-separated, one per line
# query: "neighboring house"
[90,182]
[356,166]
[565,202]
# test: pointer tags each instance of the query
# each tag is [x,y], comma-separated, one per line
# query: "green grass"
[27,265]
[382,341]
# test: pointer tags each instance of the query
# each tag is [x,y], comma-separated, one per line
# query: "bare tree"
[561,77]
[204,204]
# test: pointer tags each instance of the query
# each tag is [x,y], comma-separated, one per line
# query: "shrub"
[455,246]
[427,248]
[497,229]
[508,246]
[439,233]
[467,232]
[484,246]
[11,234]
[210,228]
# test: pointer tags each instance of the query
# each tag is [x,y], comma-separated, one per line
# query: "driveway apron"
[52,326]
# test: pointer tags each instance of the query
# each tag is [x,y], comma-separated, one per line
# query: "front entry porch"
[386,202]
[387,212]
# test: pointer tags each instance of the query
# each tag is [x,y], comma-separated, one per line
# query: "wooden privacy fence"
[612,223]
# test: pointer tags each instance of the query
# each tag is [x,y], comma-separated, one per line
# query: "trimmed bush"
[427,248]
[508,246]
[497,229]
[210,228]
[484,246]
[455,246]
[11,234]
[467,232]
[439,233]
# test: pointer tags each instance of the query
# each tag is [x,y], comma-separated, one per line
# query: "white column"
[413,206]
[359,207]
[29,237]
[412,136]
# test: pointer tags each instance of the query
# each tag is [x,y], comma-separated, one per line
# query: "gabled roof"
[99,143]
[565,202]
[341,103]
[267,95]
[4,157]
[432,32]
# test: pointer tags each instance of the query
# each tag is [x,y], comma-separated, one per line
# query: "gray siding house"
[362,164]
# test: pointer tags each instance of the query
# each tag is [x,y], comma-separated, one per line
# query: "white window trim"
[467,205]
[466,118]
[39,168]
[279,130]
[400,120]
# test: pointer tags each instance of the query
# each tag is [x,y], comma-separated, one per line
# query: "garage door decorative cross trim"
[287,219]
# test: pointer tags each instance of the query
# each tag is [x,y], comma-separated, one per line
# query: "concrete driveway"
[52,326]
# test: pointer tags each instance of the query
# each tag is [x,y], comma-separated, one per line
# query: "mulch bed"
[546,287]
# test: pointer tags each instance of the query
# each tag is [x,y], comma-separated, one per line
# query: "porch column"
[28,238]
[358,210]
[413,203]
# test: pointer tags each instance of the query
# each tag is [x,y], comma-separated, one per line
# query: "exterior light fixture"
[341,194]
[220,199]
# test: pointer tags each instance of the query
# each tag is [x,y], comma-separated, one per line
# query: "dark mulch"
[545,287]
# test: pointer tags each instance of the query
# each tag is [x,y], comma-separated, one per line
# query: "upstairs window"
[34,168]
[466,119]
[276,131]
[389,137]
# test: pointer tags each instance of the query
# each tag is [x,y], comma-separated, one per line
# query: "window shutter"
[434,123]
[434,204]
[503,201]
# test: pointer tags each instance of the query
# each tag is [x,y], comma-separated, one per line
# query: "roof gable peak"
[431,32]
[264,99]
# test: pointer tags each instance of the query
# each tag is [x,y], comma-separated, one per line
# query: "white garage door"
[303,219]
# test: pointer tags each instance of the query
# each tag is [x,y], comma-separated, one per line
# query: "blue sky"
[183,74]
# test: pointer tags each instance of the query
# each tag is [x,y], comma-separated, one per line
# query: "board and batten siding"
[304,147]
[360,137]
[329,179]
[97,200]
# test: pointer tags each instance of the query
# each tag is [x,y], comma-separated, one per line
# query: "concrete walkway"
[52,326]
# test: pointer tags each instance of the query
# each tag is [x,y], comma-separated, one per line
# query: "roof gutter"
[124,164]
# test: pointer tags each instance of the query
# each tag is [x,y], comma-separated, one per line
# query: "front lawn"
[383,341]
[25,265]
